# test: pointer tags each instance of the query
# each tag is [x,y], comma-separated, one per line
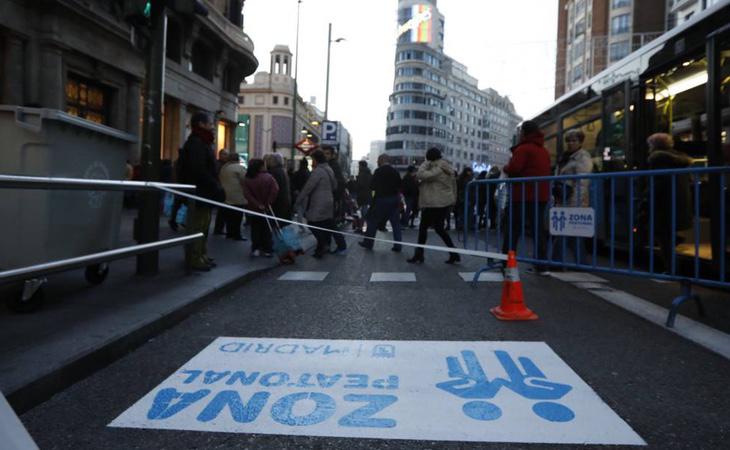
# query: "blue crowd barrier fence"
[660,224]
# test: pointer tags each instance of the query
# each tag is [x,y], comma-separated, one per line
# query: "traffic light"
[135,12]
[188,7]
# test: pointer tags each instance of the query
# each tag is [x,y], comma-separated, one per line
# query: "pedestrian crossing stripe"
[493,277]
[303,276]
[419,390]
[386,277]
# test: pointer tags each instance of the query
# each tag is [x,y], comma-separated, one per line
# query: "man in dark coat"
[410,194]
[198,167]
[386,185]
[529,159]
[663,156]
[364,194]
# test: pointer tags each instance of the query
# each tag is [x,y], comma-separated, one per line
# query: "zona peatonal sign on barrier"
[421,390]
[574,222]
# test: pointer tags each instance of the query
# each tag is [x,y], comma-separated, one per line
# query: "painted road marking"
[577,277]
[303,276]
[483,277]
[421,390]
[13,434]
[400,277]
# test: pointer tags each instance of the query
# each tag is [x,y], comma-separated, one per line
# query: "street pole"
[148,220]
[327,90]
[296,92]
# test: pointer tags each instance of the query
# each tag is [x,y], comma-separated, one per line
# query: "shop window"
[276,99]
[87,99]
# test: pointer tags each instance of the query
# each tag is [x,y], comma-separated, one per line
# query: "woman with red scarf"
[198,168]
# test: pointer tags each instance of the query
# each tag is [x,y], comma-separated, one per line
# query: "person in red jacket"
[529,159]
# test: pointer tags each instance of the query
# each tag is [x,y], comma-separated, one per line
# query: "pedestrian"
[334,163]
[220,215]
[179,200]
[529,159]
[436,195]
[467,175]
[282,204]
[232,177]
[572,193]
[481,201]
[410,195]
[317,199]
[492,188]
[364,193]
[386,185]
[260,190]
[299,179]
[662,155]
[198,168]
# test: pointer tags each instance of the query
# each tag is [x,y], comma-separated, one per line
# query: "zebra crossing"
[389,277]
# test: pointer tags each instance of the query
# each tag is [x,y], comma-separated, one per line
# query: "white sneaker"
[255,253]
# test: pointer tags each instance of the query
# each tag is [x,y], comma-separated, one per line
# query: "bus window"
[551,144]
[614,151]
[679,102]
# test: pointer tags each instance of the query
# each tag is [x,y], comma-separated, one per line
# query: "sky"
[507,45]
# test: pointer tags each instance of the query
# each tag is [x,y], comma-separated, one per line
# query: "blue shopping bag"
[286,240]
[182,215]
[167,202]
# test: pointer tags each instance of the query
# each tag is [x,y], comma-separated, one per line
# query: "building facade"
[593,34]
[78,57]
[267,104]
[680,11]
[436,103]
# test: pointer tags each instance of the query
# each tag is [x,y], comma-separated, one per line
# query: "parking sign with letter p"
[330,132]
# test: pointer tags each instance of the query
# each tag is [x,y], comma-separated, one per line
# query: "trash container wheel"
[97,273]
[17,304]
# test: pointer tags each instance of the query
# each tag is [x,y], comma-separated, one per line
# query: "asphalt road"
[672,392]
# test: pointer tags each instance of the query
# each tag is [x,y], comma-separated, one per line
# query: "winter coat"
[232,177]
[530,159]
[438,184]
[364,194]
[317,195]
[199,168]
[671,159]
[578,163]
[282,203]
[410,186]
[260,191]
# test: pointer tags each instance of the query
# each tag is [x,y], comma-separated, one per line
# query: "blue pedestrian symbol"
[559,220]
[469,381]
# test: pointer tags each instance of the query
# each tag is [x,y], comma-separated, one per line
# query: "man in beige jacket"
[436,195]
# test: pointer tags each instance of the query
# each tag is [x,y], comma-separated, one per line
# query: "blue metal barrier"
[632,211]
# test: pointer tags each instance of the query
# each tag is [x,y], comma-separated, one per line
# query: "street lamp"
[296,89]
[329,51]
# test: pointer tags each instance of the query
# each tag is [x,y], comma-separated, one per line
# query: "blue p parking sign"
[330,132]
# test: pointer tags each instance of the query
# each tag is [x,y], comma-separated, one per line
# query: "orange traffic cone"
[513,302]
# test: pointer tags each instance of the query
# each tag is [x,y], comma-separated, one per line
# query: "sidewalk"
[82,328]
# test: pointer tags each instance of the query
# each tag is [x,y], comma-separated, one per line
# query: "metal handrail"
[27,182]
[30,272]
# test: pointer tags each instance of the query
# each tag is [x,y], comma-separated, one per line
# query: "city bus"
[677,84]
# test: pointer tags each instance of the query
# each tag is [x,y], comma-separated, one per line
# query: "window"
[621,24]
[286,101]
[615,4]
[202,61]
[276,99]
[577,73]
[87,99]
[241,99]
[619,50]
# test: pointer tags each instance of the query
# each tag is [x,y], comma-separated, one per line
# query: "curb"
[83,365]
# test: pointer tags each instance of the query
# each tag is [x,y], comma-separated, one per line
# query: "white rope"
[460,251]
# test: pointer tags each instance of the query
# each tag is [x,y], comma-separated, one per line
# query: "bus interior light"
[683,85]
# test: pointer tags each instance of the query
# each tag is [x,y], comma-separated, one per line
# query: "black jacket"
[198,167]
[671,159]
[386,182]
[364,194]
[410,186]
